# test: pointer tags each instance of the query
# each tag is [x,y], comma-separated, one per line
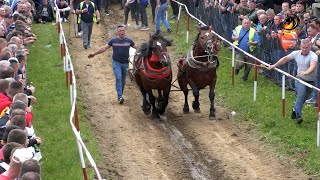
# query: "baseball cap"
[13,59]
[310,18]
[22,154]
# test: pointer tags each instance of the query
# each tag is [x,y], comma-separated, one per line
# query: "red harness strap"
[159,76]
[152,69]
[155,73]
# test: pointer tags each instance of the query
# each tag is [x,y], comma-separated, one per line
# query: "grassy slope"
[51,113]
[296,142]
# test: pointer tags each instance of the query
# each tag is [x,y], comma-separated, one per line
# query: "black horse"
[153,71]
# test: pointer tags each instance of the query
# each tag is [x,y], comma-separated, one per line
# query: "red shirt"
[3,177]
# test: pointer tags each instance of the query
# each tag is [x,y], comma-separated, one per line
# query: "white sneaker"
[137,26]
[89,46]
[79,34]
[145,28]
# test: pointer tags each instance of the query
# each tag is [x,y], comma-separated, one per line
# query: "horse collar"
[202,66]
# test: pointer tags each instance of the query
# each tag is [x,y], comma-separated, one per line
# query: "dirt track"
[182,147]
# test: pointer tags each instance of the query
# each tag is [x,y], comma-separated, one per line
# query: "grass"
[297,142]
[51,113]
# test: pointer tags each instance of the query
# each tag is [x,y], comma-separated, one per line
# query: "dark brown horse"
[198,70]
[153,71]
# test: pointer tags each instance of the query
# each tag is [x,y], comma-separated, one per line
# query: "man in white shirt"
[307,62]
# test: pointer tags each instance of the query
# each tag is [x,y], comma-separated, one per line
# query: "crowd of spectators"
[19,153]
[277,37]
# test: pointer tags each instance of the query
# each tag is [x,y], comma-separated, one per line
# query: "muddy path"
[134,146]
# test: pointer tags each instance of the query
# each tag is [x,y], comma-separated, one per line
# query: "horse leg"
[212,115]
[160,99]
[146,107]
[152,100]
[195,103]
[164,102]
[184,87]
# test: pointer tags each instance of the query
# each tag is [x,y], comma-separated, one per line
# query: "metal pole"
[188,26]
[177,27]
[232,71]
[255,83]
[283,96]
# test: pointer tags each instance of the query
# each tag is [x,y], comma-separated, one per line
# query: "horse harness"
[150,72]
[201,66]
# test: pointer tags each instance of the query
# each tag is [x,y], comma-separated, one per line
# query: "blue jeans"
[317,83]
[161,15]
[278,54]
[120,72]
[302,93]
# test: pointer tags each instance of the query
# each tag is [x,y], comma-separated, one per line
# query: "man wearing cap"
[120,58]
[19,155]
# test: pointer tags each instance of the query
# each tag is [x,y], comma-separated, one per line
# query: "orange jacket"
[288,39]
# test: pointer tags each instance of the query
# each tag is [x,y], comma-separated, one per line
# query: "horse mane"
[158,35]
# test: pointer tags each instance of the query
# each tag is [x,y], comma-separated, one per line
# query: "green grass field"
[51,113]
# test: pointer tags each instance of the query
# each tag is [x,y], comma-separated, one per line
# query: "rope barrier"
[74,120]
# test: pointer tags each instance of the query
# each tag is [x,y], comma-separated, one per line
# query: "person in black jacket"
[46,12]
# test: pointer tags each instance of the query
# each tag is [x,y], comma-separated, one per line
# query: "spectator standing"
[246,39]
[120,45]
[175,9]
[88,14]
[314,37]
[307,62]
[73,5]
[106,7]
[153,4]
[225,8]
[130,6]
[142,7]
[161,9]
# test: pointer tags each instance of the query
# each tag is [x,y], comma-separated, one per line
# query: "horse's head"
[158,46]
[206,42]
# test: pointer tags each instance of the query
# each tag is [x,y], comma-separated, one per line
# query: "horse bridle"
[210,50]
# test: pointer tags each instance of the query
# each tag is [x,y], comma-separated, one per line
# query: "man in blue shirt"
[120,58]
[246,38]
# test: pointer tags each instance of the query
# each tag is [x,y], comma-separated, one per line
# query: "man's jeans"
[120,72]
[317,83]
[302,93]
[161,15]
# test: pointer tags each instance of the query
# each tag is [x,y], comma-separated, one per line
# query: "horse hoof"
[186,110]
[212,117]
[197,110]
[156,116]
[147,112]
[163,118]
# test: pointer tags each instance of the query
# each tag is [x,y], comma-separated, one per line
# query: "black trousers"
[175,8]
[153,4]
[131,7]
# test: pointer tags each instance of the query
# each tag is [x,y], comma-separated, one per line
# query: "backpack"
[144,2]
